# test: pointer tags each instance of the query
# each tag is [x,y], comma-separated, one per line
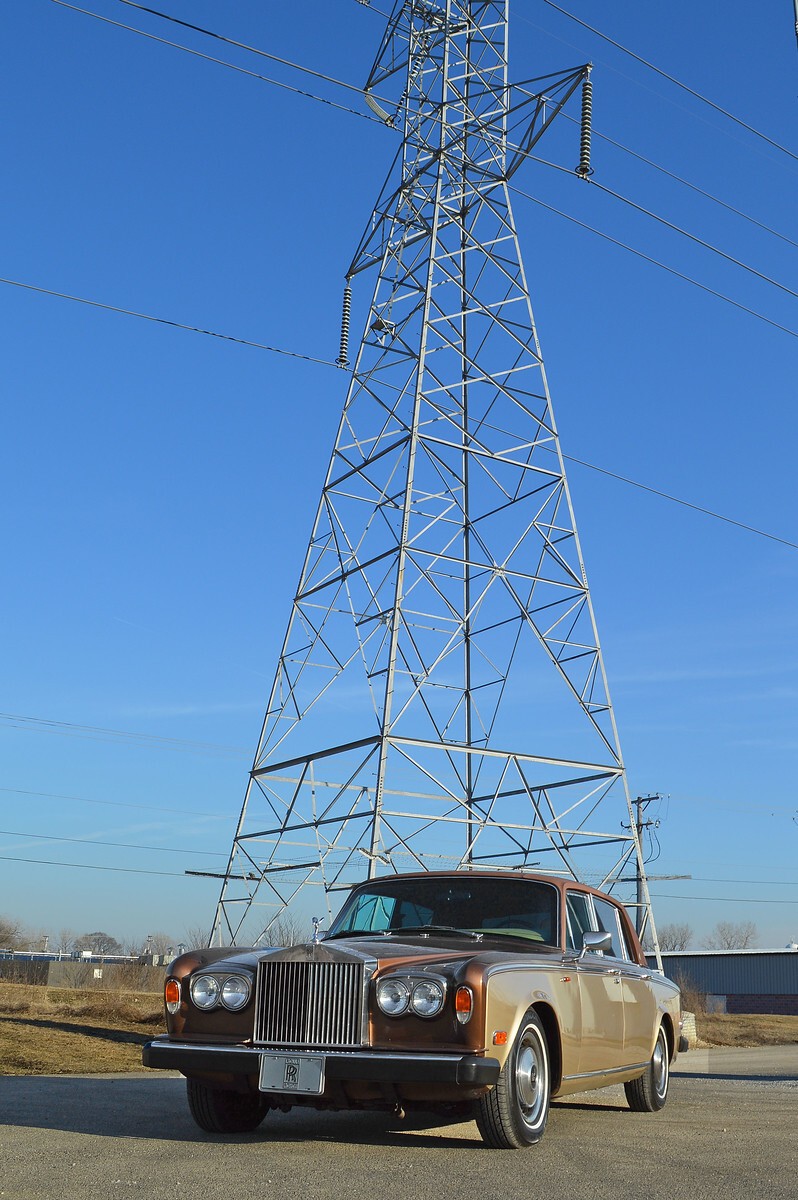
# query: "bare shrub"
[693,1000]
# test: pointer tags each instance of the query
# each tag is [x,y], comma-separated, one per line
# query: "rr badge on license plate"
[302,1073]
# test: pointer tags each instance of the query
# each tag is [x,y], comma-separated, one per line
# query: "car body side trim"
[611,1071]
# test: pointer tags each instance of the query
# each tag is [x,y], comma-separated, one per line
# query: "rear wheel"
[219,1111]
[514,1113]
[650,1091]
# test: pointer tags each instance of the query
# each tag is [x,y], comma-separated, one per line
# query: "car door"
[639,1001]
[601,1048]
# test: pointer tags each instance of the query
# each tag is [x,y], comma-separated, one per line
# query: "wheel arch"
[551,1028]
[666,1021]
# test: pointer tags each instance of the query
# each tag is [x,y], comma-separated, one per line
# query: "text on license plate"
[292,1073]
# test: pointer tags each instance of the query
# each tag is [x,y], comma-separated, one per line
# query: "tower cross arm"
[546,102]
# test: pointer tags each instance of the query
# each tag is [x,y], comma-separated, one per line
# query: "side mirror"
[593,942]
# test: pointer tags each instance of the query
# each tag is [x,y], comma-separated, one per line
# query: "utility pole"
[641,804]
[440,699]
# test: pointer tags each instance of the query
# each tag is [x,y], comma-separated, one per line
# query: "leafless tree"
[197,937]
[730,936]
[97,943]
[12,934]
[675,936]
[289,930]
[161,943]
[65,941]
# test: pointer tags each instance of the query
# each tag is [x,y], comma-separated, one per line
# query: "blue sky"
[159,485]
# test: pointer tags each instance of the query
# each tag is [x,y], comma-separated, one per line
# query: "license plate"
[302,1073]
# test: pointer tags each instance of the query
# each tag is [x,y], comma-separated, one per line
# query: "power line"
[72,729]
[159,808]
[285,62]
[45,862]
[707,512]
[351,87]
[721,899]
[44,837]
[127,312]
[686,183]
[183,874]
[329,363]
[693,237]
[221,62]
[672,79]
[655,262]
[354,88]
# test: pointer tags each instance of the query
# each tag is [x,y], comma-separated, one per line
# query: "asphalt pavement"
[728,1132]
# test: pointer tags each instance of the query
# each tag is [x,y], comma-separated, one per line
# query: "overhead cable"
[159,808]
[672,79]
[656,263]
[693,238]
[707,512]
[48,837]
[127,312]
[46,862]
[218,61]
[87,730]
[72,729]
[220,37]
[686,183]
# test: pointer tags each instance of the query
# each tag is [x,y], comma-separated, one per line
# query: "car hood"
[411,949]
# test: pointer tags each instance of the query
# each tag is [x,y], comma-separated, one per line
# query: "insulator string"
[584,169]
[343,356]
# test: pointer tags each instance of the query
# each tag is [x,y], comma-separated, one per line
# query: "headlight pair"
[397,995]
[231,991]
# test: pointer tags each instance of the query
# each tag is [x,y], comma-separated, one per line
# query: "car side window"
[609,922]
[578,919]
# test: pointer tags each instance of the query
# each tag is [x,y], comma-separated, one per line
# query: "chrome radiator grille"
[310,1003]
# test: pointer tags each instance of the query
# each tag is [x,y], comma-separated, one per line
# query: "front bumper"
[458,1070]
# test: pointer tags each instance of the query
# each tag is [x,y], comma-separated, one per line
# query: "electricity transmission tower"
[440,698]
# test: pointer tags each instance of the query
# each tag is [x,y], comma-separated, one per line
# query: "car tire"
[513,1114]
[219,1111]
[650,1091]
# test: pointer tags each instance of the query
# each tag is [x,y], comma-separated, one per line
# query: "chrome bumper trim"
[462,1070]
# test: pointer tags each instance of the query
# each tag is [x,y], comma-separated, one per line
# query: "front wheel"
[219,1111]
[650,1091]
[514,1113]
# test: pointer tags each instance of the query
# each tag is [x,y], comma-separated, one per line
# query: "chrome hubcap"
[659,1067]
[530,1077]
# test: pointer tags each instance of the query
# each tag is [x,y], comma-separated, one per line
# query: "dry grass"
[723,1029]
[60,1031]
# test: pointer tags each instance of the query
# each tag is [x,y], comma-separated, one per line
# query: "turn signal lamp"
[171,994]
[463,1004]
[500,1037]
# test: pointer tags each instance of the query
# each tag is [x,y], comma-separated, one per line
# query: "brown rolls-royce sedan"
[479,993]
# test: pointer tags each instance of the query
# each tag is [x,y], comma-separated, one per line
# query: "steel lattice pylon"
[440,697]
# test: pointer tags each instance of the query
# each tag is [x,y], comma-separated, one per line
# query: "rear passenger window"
[578,919]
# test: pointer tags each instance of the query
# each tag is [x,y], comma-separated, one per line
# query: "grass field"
[61,1031]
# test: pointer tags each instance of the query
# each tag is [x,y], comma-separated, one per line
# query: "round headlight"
[393,996]
[205,991]
[235,992]
[427,998]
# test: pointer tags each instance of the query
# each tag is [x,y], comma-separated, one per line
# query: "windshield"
[489,905]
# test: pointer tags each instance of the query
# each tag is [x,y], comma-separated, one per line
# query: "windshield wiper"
[423,930]
[427,929]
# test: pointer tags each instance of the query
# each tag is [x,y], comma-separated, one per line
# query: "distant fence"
[131,975]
